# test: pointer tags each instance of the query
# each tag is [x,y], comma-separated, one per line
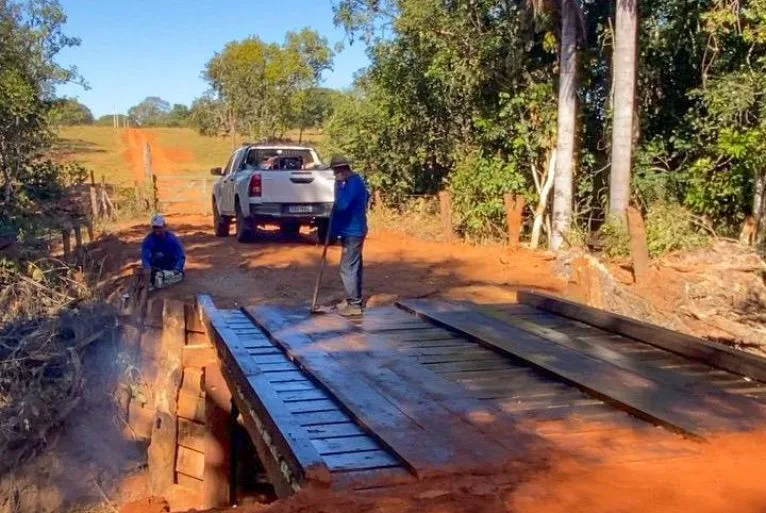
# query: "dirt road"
[284,271]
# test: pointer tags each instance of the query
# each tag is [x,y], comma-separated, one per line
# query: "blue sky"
[132,49]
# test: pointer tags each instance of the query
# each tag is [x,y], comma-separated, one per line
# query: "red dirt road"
[164,159]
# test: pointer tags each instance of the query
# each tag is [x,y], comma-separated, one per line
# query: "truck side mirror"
[216,171]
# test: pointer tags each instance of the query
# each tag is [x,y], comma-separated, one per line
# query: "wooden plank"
[311,406]
[188,482]
[709,352]
[285,434]
[334,430]
[285,376]
[190,462]
[706,390]
[321,418]
[373,410]
[423,335]
[270,368]
[191,407]
[191,434]
[292,386]
[466,357]
[302,395]
[635,393]
[493,375]
[407,346]
[279,357]
[485,365]
[357,443]
[360,461]
[198,356]
[217,446]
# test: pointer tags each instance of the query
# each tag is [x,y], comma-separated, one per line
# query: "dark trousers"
[162,262]
[351,268]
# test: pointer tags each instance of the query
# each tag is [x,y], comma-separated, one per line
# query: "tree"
[178,115]
[31,35]
[625,66]
[108,120]
[311,107]
[152,111]
[69,111]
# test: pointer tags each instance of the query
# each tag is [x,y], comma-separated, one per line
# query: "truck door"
[229,184]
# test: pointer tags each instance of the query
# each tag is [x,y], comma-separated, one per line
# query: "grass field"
[112,153]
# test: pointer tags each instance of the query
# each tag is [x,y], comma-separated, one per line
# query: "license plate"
[299,209]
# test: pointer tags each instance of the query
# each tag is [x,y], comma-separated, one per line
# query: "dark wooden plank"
[622,359]
[360,461]
[284,431]
[302,395]
[455,367]
[714,354]
[507,372]
[465,351]
[465,357]
[357,443]
[423,335]
[279,357]
[321,418]
[285,376]
[253,351]
[311,406]
[406,346]
[334,430]
[635,393]
[270,368]
[423,451]
[372,479]
[292,386]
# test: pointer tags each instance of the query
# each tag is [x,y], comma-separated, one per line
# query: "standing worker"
[162,255]
[350,224]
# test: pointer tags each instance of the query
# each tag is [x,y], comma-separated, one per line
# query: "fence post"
[445,206]
[148,171]
[93,197]
[89,228]
[155,200]
[639,250]
[514,208]
[67,243]
[205,203]
[78,238]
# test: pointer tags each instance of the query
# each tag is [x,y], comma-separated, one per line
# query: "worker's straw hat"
[339,161]
[158,221]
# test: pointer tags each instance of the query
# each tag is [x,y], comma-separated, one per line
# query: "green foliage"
[671,227]
[69,111]
[31,36]
[478,184]
[152,111]
[615,239]
[263,89]
[108,120]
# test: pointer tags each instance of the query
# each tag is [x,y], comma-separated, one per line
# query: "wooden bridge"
[431,388]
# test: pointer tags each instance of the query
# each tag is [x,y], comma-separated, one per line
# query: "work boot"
[348,310]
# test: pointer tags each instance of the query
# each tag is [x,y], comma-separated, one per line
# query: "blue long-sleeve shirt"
[169,246]
[350,216]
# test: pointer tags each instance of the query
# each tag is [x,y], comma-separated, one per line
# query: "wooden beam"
[217,440]
[717,355]
[263,411]
[636,394]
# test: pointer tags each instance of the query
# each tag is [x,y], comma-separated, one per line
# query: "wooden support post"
[155,199]
[93,197]
[148,170]
[445,206]
[67,243]
[217,478]
[89,228]
[639,250]
[514,208]
[78,238]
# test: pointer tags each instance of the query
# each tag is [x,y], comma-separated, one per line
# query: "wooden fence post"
[148,170]
[639,250]
[89,228]
[514,208]
[78,238]
[445,206]
[155,200]
[67,243]
[93,197]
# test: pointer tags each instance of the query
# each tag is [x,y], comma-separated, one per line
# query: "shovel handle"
[323,262]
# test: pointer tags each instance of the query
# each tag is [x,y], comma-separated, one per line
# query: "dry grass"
[105,149]
[418,218]
[49,314]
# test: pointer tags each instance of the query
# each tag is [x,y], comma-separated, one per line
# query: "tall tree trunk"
[567,126]
[544,185]
[759,207]
[624,69]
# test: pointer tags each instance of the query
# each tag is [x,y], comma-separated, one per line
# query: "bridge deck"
[430,388]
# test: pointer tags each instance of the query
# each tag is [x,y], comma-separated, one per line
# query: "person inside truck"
[162,255]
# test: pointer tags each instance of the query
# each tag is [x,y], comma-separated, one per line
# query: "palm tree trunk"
[625,55]
[567,126]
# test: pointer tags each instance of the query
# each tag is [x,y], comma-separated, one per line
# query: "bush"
[671,227]
[615,238]
[478,184]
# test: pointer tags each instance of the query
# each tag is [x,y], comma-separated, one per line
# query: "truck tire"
[221,223]
[245,229]
[289,230]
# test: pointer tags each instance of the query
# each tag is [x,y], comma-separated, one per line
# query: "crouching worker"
[350,224]
[162,255]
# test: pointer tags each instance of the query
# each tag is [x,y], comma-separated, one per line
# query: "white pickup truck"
[282,185]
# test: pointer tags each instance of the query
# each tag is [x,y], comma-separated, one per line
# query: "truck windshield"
[280,158]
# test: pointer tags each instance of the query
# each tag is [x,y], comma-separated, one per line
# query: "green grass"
[104,150]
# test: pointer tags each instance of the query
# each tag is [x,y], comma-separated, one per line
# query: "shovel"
[317,310]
